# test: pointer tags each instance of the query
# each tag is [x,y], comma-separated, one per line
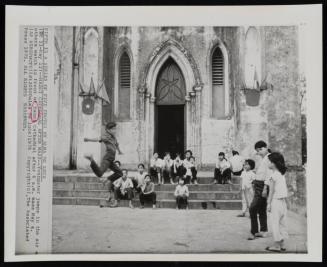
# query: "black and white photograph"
[179,140]
[166,138]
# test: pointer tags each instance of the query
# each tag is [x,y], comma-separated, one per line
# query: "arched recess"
[193,86]
[91,57]
[252,58]
[123,51]
[218,48]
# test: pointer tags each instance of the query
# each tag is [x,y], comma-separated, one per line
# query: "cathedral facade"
[207,89]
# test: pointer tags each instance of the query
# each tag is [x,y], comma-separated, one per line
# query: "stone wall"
[283,106]
[276,119]
[63,99]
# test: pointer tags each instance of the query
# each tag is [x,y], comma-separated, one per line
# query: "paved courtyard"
[90,229]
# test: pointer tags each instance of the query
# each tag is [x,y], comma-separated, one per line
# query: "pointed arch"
[123,83]
[218,66]
[183,59]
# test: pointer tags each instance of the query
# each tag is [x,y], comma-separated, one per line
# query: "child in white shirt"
[138,180]
[178,167]
[277,201]
[156,167]
[247,178]
[181,194]
[167,168]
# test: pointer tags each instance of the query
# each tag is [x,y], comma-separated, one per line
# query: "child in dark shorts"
[108,160]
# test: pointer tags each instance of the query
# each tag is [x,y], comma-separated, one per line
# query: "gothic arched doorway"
[170,109]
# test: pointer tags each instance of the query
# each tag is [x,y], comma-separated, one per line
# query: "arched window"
[218,83]
[124,86]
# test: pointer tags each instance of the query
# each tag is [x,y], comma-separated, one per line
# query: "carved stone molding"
[164,45]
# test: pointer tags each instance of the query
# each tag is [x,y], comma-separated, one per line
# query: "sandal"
[273,249]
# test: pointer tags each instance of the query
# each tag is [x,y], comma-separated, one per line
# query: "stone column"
[151,126]
[145,137]
[188,121]
[192,120]
[141,122]
[197,124]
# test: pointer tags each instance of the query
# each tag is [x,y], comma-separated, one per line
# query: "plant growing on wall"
[252,94]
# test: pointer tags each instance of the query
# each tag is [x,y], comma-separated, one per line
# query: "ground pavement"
[91,229]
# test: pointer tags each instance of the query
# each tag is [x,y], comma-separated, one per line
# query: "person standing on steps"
[110,141]
[261,190]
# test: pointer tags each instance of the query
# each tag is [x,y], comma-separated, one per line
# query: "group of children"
[173,169]
[263,187]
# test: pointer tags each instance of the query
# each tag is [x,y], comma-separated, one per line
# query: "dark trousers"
[238,173]
[104,165]
[222,177]
[180,172]
[181,202]
[167,174]
[194,173]
[128,195]
[148,197]
[153,171]
[258,206]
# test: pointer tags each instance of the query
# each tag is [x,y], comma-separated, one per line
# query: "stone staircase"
[79,188]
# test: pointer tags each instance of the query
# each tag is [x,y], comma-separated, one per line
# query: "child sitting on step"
[138,180]
[147,192]
[155,169]
[167,168]
[107,184]
[189,164]
[222,173]
[247,177]
[178,167]
[123,189]
[181,193]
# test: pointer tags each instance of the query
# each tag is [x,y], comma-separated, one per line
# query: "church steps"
[164,203]
[94,179]
[196,195]
[165,187]
[84,188]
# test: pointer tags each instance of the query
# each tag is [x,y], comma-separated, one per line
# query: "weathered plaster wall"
[90,67]
[63,89]
[197,41]
[243,126]
[283,107]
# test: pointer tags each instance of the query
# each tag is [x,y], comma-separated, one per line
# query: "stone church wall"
[276,119]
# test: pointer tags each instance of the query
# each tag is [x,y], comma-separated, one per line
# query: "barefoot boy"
[112,145]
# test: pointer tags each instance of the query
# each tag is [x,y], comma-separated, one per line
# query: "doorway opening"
[170,133]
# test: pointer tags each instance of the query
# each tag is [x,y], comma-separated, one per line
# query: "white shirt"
[167,162]
[222,164]
[181,190]
[280,185]
[140,178]
[188,165]
[263,172]
[236,163]
[123,184]
[247,178]
[156,162]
